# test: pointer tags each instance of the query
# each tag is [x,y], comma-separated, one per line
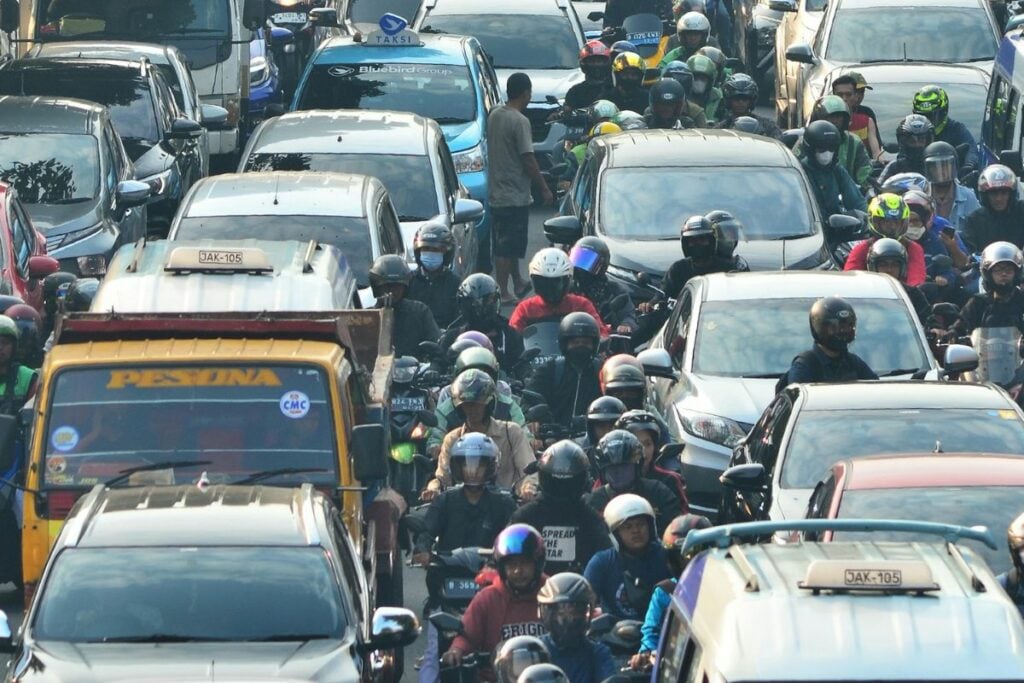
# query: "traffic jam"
[547,341]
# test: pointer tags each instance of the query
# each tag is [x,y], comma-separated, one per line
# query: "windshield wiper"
[267,474]
[124,475]
[404,217]
[767,375]
[160,638]
[285,637]
[783,238]
[900,371]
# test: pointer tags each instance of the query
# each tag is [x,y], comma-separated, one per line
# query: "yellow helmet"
[604,128]
[627,60]
[888,215]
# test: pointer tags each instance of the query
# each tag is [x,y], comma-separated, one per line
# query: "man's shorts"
[509,227]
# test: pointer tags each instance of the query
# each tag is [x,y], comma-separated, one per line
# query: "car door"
[132,221]
[819,506]
[187,150]
[796,27]
[673,338]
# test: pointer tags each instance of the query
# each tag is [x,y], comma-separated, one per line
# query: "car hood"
[546,81]
[462,136]
[57,219]
[736,398]
[655,256]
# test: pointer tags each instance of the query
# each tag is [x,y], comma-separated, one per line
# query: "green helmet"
[932,102]
[831,105]
[9,328]
[477,358]
[702,66]
[473,386]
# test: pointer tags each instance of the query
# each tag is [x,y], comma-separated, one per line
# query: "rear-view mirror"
[749,477]
[959,358]
[596,16]
[41,266]
[563,229]
[214,116]
[1011,157]
[369,461]
[131,193]
[468,210]
[657,363]
[9,15]
[801,53]
[184,129]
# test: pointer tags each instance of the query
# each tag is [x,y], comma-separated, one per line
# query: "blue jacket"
[590,663]
[956,133]
[607,571]
[652,622]
[934,246]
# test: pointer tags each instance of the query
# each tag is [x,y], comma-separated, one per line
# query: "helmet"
[748,124]
[474,459]
[577,325]
[941,162]
[81,294]
[888,215]
[1000,252]
[904,182]
[914,133]
[680,72]
[516,654]
[520,540]
[9,329]
[457,347]
[477,359]
[55,288]
[681,7]
[888,249]
[833,323]
[620,46]
[831,105]
[564,471]
[695,22]
[589,257]
[932,102]
[551,274]
[634,421]
[594,50]
[1015,541]
[622,371]
[473,386]
[564,603]
[630,120]
[389,269]
[434,236]
[603,128]
[668,91]
[628,63]
[603,410]
[624,507]
[479,337]
[702,67]
[698,239]
[716,56]
[739,85]
[602,110]
[543,673]
[728,230]
[822,140]
[675,535]
[920,205]
[996,177]
[478,299]
[619,458]
[404,370]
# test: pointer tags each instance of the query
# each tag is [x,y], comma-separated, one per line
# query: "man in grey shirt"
[511,168]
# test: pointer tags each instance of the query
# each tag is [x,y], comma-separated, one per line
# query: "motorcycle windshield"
[644,31]
[543,336]
[998,354]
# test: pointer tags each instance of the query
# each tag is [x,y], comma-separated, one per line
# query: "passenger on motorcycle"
[680,72]
[889,256]
[620,463]
[718,58]
[479,304]
[551,275]
[412,322]
[953,201]
[569,382]
[693,31]
[647,428]
[434,283]
[668,101]
[851,155]
[617,11]
[703,92]
[566,602]
[1013,580]
[926,229]
[700,242]
[932,102]
[572,530]
[834,190]
[620,46]
[596,65]
[863,122]
[889,216]
[514,655]
[1002,303]
[627,91]
[30,341]
[913,135]
[601,416]
[624,577]
[739,92]
[590,257]
[1001,215]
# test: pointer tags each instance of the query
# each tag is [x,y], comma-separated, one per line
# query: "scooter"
[411,417]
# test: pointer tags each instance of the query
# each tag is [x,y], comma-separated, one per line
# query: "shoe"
[524,290]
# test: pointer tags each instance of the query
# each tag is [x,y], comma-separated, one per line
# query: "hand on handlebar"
[452,657]
[642,661]
[421,559]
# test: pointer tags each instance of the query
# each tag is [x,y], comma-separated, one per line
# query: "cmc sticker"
[295,405]
[64,438]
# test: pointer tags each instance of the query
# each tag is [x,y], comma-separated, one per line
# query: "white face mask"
[915,233]
[699,86]
[824,158]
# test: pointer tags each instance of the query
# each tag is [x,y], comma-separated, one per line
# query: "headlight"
[720,430]
[158,183]
[258,70]
[58,241]
[469,161]
[623,273]
[94,265]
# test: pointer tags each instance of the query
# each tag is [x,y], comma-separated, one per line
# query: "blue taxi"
[443,77]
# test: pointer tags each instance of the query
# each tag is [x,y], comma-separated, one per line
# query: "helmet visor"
[890,227]
[619,477]
[551,289]
[473,470]
[587,259]
[940,169]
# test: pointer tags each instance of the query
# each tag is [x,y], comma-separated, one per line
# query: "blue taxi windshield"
[443,92]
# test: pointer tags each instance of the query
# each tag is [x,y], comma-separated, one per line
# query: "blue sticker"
[392,24]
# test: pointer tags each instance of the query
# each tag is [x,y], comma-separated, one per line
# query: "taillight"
[60,502]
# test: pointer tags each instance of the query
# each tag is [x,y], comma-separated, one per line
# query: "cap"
[855,77]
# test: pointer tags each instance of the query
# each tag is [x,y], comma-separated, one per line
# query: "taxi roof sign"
[218,259]
[869,575]
[394,32]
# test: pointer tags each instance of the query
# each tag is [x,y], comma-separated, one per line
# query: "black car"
[176,582]
[165,146]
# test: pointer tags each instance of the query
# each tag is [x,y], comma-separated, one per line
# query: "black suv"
[165,146]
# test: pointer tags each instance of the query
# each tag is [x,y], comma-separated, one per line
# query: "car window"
[765,439]
[907,32]
[967,104]
[676,330]
[1001,115]
[390,231]
[345,551]
[115,164]
[51,168]
[515,41]
[674,645]
[451,178]
[167,107]
[23,240]
[485,85]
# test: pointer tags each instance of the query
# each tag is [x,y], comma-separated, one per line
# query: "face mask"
[915,233]
[579,356]
[824,158]
[699,86]
[431,260]
[595,73]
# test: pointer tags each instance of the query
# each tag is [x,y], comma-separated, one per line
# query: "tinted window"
[441,92]
[651,203]
[23,241]
[890,103]
[909,33]
[132,19]
[515,41]
[196,593]
[50,169]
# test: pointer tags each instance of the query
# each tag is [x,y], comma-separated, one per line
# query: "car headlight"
[259,70]
[158,183]
[720,430]
[469,161]
[57,241]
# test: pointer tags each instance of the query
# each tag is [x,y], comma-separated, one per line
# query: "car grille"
[55,241]
[538,115]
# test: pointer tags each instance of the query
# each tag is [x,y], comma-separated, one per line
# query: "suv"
[157,582]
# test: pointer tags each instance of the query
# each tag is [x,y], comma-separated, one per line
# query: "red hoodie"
[536,310]
[495,615]
[916,272]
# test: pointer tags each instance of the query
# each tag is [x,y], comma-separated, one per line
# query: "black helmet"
[55,288]
[625,380]
[404,370]
[940,162]
[728,230]
[739,85]
[680,72]
[565,602]
[914,133]
[30,341]
[1015,541]
[578,324]
[543,673]
[674,536]
[619,458]
[698,238]
[434,236]
[822,136]
[603,409]
[748,124]
[1000,252]
[634,421]
[514,655]
[833,323]
[474,386]
[80,294]
[478,358]
[478,299]
[888,249]
[589,257]
[563,471]
[520,540]
[474,460]
[389,269]
[667,91]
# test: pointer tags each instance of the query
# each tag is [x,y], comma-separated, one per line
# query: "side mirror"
[558,170]
[131,193]
[6,637]
[746,478]
[253,13]
[791,136]
[1010,157]
[324,17]
[782,5]
[184,129]
[802,53]
[596,16]
[733,64]
[367,452]
[671,450]
[41,266]
[551,99]
[657,363]
[9,15]
[959,358]
[563,229]
[843,228]
[891,147]
[214,116]
[281,36]
[392,628]
[445,622]
[468,210]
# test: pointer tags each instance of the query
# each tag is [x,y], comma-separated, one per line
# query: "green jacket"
[852,156]
[11,402]
[713,106]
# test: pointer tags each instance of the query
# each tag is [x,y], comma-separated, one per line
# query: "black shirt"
[584,94]
[665,503]
[414,323]
[438,293]
[572,531]
[633,100]
[680,272]
[457,523]
[984,226]
[815,365]
[508,344]
[981,310]
[567,390]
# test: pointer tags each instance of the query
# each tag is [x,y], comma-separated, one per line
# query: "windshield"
[910,33]
[241,418]
[649,204]
[890,103]
[409,179]
[350,234]
[887,336]
[50,168]
[820,437]
[370,11]
[441,92]
[132,19]
[190,593]
[515,41]
[991,506]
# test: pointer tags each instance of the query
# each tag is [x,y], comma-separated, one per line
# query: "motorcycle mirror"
[946,310]
[430,349]
[601,624]
[446,623]
[427,417]
[942,261]
[620,343]
[891,147]
[595,16]
[671,450]
[429,378]
[539,413]
[790,137]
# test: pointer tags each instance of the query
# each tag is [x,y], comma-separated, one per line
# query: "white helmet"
[694,21]
[550,262]
[624,507]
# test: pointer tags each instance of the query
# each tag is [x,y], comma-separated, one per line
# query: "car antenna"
[938,447]
[277,181]
[905,51]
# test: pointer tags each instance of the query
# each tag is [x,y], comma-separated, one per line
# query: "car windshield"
[991,506]
[50,168]
[408,178]
[887,336]
[443,92]
[182,594]
[132,19]
[910,33]
[820,437]
[350,234]
[890,103]
[651,203]
[515,41]
[370,11]
[242,419]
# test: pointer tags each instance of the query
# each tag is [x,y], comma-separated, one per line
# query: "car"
[755,23]
[636,189]
[810,426]
[74,178]
[363,15]
[1000,139]
[860,32]
[144,582]
[799,23]
[541,38]
[265,83]
[349,211]
[23,259]
[967,489]
[163,143]
[408,153]
[730,337]
[591,28]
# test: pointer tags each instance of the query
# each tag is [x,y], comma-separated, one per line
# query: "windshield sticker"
[398,69]
[295,405]
[341,71]
[56,464]
[1008,414]
[193,377]
[64,439]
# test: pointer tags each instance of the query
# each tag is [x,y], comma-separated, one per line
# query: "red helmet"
[595,48]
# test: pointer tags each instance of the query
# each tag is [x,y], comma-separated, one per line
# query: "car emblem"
[392,24]
[340,71]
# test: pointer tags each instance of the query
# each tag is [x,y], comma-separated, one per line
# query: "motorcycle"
[294,16]
[999,352]
[542,336]
[411,417]
[650,36]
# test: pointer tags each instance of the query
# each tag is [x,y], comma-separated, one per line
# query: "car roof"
[120,67]
[909,395]
[39,114]
[533,7]
[864,4]
[115,50]
[279,193]
[798,284]
[344,131]
[916,72]
[159,516]
[693,147]
[932,471]
[435,49]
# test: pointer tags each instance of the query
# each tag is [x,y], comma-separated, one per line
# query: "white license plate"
[873,578]
[289,18]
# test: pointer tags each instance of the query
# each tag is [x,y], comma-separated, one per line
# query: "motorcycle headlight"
[469,161]
[258,70]
[720,430]
[158,183]
[94,265]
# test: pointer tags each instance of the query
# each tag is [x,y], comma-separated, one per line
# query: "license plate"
[289,18]
[871,578]
[645,38]
[460,588]
[408,404]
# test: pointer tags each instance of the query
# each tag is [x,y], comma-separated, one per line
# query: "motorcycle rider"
[1013,580]
[913,135]
[932,102]
[739,92]
[699,240]
[596,65]
[617,11]
[434,283]
[551,275]
[835,191]
[647,428]
[833,327]
[412,322]
[514,655]
[624,577]
[703,92]
[479,304]
[630,120]
[680,72]
[693,31]
[572,530]
[569,382]
[602,413]
[1002,303]
[590,258]
[719,59]
[851,155]
[851,87]
[1001,215]
[566,602]
[889,216]
[622,377]
[889,256]
[30,341]
[953,201]
[627,91]
[926,229]
[668,100]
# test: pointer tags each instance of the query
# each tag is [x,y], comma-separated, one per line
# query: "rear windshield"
[515,41]
[240,419]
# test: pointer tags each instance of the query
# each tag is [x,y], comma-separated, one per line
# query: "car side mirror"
[1011,157]
[791,136]
[802,53]
[6,637]
[782,5]
[9,16]
[563,229]
[393,628]
[843,228]
[184,129]
[657,363]
[324,17]
[369,461]
[468,210]
[746,478]
[959,358]
[281,36]
[41,266]
[596,16]
[214,116]
[131,193]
